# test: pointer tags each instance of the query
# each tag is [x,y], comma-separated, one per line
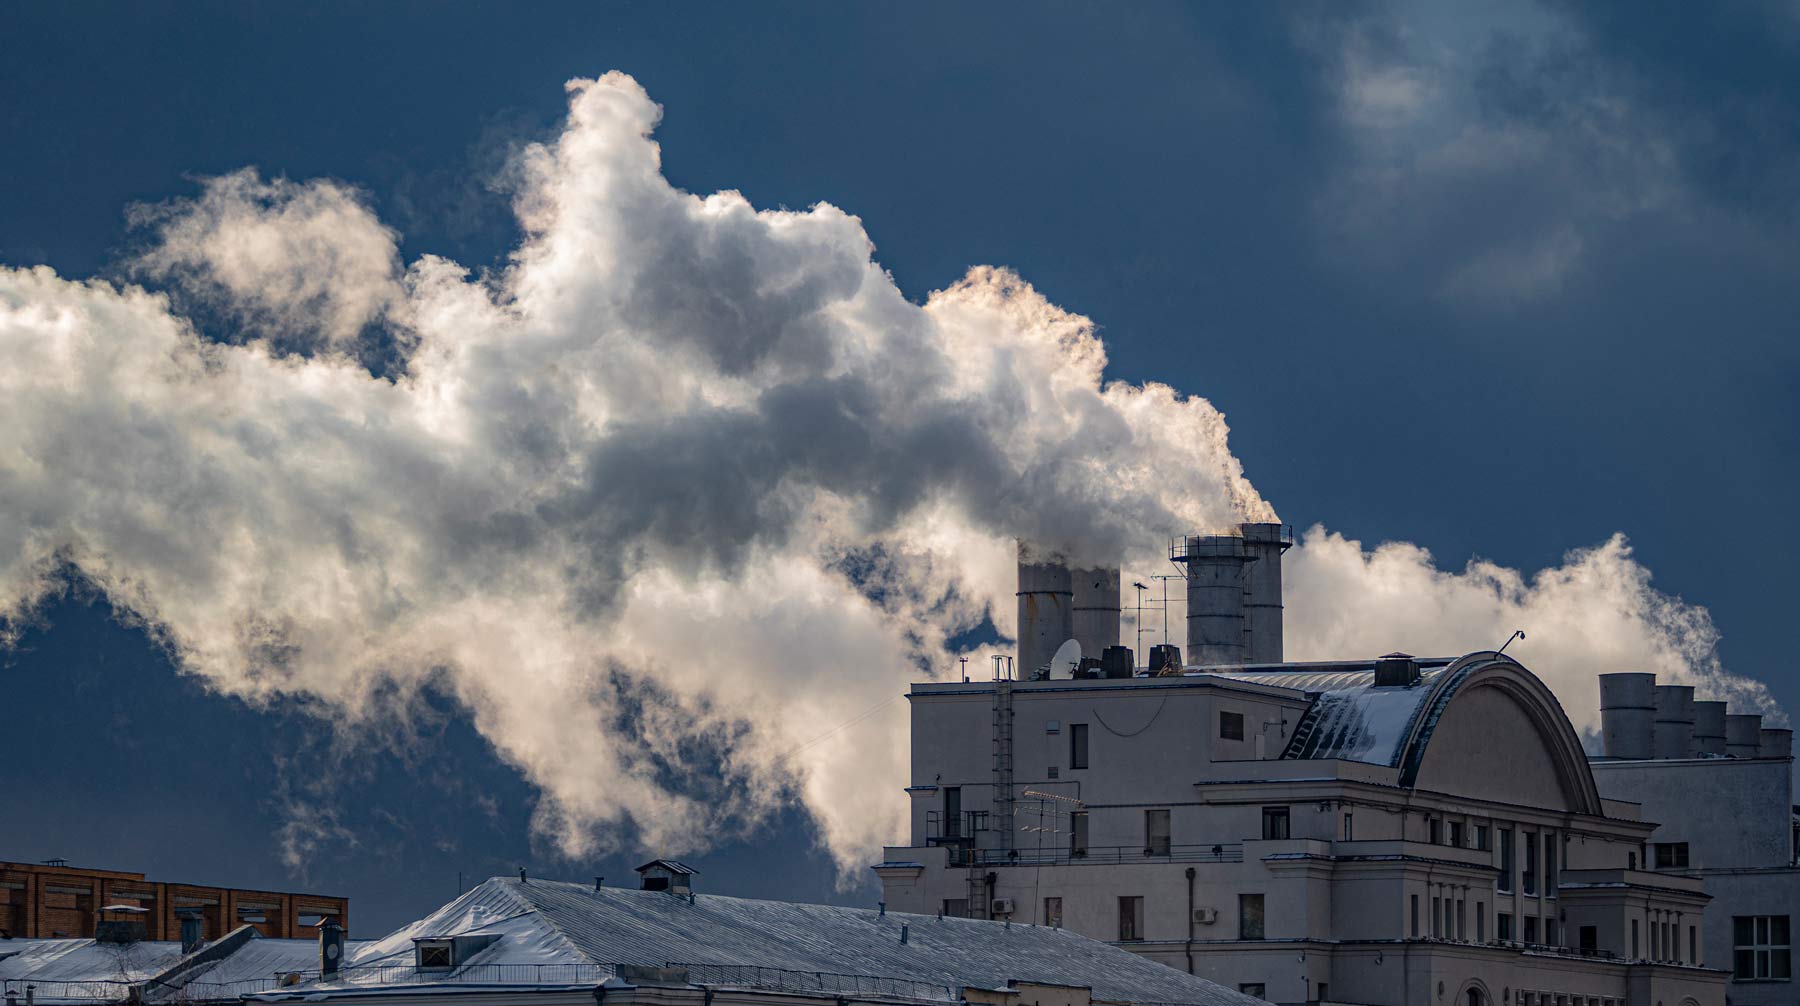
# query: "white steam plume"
[681,490]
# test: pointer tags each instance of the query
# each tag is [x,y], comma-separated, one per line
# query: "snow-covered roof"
[560,934]
[83,970]
[1352,718]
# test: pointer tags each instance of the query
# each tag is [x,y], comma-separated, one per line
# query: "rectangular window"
[952,811]
[1480,922]
[1529,840]
[1349,833]
[1531,935]
[1505,883]
[1503,927]
[1461,916]
[1549,865]
[1156,833]
[1760,950]
[1590,938]
[1053,913]
[1551,935]
[1078,833]
[1437,917]
[1634,939]
[1693,945]
[1275,822]
[956,908]
[433,956]
[1250,916]
[1415,916]
[1456,834]
[1671,855]
[1257,989]
[1480,834]
[1231,726]
[1436,829]
[1078,750]
[1131,918]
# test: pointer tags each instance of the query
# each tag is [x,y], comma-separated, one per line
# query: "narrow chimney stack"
[1215,596]
[1673,734]
[1743,735]
[1264,543]
[1627,715]
[1095,610]
[1775,742]
[1709,728]
[1046,608]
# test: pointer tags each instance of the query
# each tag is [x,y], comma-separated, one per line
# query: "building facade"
[54,900]
[1720,787]
[1380,831]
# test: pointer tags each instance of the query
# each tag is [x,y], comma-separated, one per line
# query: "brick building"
[43,900]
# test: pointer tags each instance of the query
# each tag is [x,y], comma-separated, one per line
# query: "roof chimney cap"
[1396,670]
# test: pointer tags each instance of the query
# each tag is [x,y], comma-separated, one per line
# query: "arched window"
[1474,997]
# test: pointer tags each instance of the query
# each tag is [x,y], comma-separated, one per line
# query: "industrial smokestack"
[1047,608]
[1709,728]
[1673,736]
[1096,609]
[1776,742]
[1743,735]
[1264,543]
[1215,596]
[1627,715]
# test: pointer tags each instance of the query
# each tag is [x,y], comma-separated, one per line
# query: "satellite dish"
[1067,659]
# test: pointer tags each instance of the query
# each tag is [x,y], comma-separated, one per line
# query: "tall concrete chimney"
[1215,596]
[1096,610]
[1775,742]
[1709,728]
[1264,544]
[1673,736]
[1627,715]
[1046,608]
[1743,735]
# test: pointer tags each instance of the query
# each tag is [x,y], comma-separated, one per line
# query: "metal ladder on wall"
[1002,813]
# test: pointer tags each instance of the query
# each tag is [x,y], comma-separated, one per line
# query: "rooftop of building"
[87,971]
[563,934]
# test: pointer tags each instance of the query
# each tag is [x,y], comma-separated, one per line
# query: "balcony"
[1107,855]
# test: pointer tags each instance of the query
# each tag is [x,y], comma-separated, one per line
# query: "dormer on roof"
[667,875]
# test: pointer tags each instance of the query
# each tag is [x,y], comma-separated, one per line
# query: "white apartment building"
[1720,787]
[1376,831]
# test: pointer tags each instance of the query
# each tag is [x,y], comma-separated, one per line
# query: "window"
[952,811]
[1505,883]
[1257,989]
[1078,751]
[1436,828]
[1589,938]
[956,908]
[1461,919]
[1480,922]
[1231,726]
[1078,833]
[1324,990]
[1349,833]
[434,954]
[1503,927]
[1531,935]
[1759,948]
[1529,838]
[1437,916]
[1549,866]
[1671,855]
[1693,945]
[1551,936]
[1480,835]
[1131,918]
[1156,833]
[1415,916]
[1250,916]
[1634,939]
[1275,822]
[1456,834]
[1053,913]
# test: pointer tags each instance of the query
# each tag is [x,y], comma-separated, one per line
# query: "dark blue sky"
[1499,281]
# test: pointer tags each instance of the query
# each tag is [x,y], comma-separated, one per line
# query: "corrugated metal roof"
[83,960]
[724,940]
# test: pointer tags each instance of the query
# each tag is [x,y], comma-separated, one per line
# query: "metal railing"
[1214,852]
[781,979]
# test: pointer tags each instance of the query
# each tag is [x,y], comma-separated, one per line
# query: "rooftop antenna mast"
[1140,588]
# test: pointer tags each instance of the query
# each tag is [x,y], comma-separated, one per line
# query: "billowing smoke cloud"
[675,504]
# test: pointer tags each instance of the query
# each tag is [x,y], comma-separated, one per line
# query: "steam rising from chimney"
[670,419]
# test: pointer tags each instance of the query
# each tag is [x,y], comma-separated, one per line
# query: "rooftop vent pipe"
[1709,728]
[1215,596]
[1396,670]
[1264,544]
[1743,735]
[1673,734]
[331,947]
[1047,607]
[1776,742]
[1627,715]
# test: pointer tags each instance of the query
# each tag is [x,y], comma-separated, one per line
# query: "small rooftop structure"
[667,875]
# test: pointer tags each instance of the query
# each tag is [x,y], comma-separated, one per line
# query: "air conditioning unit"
[1003,906]
[1206,916]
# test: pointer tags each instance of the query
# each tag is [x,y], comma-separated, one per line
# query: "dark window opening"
[1250,916]
[1078,745]
[1131,918]
[1156,833]
[1231,726]
[1275,822]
